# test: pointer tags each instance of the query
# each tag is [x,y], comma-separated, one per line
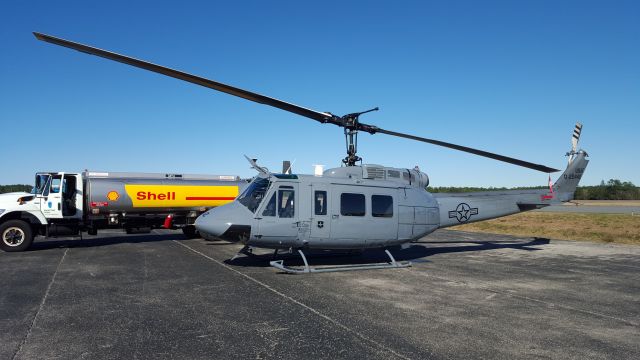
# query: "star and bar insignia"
[463,212]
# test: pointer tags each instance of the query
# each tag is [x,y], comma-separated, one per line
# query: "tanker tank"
[127,193]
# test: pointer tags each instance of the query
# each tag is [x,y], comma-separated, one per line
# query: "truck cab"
[54,206]
[59,195]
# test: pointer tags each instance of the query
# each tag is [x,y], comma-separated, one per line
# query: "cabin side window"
[352,204]
[320,200]
[382,206]
[286,203]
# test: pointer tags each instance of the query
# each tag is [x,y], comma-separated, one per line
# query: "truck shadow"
[416,252]
[39,244]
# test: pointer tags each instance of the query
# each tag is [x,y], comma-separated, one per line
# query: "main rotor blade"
[315,115]
[248,95]
[506,159]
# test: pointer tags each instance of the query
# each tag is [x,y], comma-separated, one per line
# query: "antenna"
[254,164]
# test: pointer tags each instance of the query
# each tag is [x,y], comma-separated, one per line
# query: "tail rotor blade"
[576,136]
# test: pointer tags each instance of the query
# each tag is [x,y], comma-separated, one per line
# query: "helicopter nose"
[228,222]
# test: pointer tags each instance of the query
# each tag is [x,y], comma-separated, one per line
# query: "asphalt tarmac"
[467,295]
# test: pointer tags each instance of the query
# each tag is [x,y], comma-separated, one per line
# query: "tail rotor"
[574,141]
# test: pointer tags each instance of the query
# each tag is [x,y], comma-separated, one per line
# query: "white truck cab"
[56,197]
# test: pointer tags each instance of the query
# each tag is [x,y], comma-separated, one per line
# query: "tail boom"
[460,208]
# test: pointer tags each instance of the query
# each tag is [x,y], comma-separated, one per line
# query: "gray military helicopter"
[352,207]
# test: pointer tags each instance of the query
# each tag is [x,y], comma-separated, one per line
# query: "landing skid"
[279,264]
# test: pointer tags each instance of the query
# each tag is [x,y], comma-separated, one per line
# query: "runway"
[468,295]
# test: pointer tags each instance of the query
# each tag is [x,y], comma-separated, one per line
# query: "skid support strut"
[246,250]
[279,264]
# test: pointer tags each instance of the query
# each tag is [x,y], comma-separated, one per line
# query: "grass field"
[610,228]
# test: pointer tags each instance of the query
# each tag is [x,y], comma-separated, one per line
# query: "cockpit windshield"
[41,184]
[254,193]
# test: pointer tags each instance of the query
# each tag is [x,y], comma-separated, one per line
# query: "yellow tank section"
[172,196]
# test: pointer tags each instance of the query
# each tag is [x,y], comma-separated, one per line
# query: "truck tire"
[190,232]
[15,235]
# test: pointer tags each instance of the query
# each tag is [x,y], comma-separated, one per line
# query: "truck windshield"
[254,193]
[41,184]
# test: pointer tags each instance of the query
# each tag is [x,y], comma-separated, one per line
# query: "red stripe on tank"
[208,198]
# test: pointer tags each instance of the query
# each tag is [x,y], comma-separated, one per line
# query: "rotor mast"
[351,127]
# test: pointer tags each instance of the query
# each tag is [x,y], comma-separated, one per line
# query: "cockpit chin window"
[254,193]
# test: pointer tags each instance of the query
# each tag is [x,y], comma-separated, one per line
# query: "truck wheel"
[15,235]
[190,232]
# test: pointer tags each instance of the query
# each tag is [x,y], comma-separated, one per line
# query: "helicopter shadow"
[88,242]
[416,252]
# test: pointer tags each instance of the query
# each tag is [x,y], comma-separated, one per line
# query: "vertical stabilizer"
[566,185]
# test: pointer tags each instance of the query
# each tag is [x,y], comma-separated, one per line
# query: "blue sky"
[511,77]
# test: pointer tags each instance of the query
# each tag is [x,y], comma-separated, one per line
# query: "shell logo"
[113,196]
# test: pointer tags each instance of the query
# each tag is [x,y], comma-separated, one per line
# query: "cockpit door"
[51,199]
[277,219]
[320,212]
[71,196]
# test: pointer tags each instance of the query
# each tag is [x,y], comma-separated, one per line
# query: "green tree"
[15,188]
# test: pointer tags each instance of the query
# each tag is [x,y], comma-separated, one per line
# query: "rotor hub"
[352,126]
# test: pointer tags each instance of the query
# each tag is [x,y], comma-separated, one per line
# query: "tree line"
[613,189]
[15,188]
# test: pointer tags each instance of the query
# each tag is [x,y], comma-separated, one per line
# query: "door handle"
[334,216]
[58,206]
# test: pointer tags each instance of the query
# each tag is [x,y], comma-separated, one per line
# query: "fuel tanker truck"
[66,204]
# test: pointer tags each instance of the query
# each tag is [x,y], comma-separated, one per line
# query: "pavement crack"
[527,298]
[44,299]
[297,302]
